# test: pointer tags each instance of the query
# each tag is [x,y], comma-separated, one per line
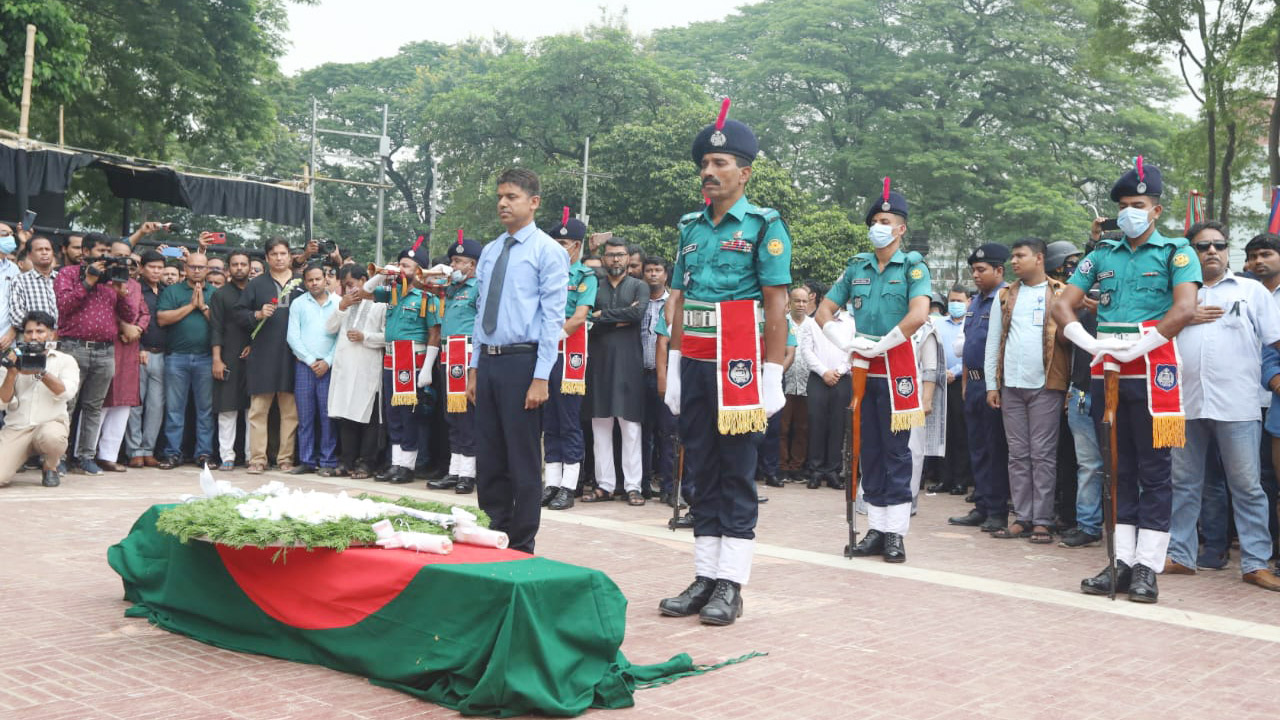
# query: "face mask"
[881,235]
[8,245]
[1133,221]
[457,276]
[956,309]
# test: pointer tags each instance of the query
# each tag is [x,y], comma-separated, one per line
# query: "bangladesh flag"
[482,631]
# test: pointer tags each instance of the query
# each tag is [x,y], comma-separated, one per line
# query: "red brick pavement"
[970,627]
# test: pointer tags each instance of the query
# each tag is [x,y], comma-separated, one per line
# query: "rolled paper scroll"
[418,542]
[483,537]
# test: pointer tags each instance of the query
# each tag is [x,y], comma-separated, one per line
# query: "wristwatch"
[40,376]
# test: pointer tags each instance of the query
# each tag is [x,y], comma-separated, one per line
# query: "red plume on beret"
[564,216]
[886,188]
[459,237]
[724,113]
[417,244]
[1137,163]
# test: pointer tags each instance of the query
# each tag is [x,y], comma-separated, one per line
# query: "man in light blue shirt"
[313,348]
[1027,370]
[951,473]
[1221,352]
[522,281]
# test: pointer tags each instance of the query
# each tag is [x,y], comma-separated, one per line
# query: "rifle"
[675,501]
[1110,462]
[860,366]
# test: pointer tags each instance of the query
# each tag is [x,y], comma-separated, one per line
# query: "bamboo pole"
[62,126]
[27,69]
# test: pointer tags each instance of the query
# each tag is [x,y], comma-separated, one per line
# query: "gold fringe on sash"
[1168,431]
[573,387]
[456,403]
[410,398]
[899,422]
[742,421]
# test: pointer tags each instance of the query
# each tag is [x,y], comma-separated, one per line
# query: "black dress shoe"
[561,500]
[50,479]
[969,498]
[835,482]
[725,604]
[938,487]
[444,483]
[1100,584]
[684,522]
[691,600]
[973,519]
[547,493]
[773,481]
[814,482]
[400,476]
[958,490]
[1142,584]
[436,473]
[303,469]
[894,549]
[994,523]
[465,485]
[385,474]
[871,544]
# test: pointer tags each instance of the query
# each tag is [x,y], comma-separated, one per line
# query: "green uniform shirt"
[880,299]
[662,329]
[1137,285]
[190,334]
[582,288]
[404,321]
[734,260]
[460,308]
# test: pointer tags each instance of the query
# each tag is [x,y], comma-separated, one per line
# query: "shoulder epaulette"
[767,214]
[914,258]
[862,257]
[689,217]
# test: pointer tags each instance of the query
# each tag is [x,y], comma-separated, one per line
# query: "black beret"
[895,204]
[1130,184]
[412,252]
[992,253]
[466,247]
[734,138]
[572,229]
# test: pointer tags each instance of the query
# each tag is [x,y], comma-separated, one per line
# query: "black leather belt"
[157,349]
[974,374]
[91,344]
[513,349]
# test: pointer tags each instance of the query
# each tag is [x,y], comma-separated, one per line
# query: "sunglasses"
[1203,246]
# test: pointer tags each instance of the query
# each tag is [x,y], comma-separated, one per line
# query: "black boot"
[773,481]
[1100,584]
[561,500]
[465,485]
[385,474]
[548,493]
[871,544]
[1142,584]
[400,475]
[725,604]
[443,483]
[691,600]
[894,549]
[973,519]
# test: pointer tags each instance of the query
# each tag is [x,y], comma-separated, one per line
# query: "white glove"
[672,396]
[563,335]
[1076,333]
[862,346]
[887,343]
[441,269]
[841,331]
[375,282]
[771,390]
[424,375]
[1150,341]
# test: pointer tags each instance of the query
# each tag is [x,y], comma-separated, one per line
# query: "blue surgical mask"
[8,244]
[1133,221]
[457,276]
[956,310]
[881,235]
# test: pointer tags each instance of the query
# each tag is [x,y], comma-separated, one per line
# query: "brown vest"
[1057,355]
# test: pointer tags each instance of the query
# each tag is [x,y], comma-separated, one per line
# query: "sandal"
[1040,535]
[256,468]
[634,498]
[1023,530]
[595,494]
[286,467]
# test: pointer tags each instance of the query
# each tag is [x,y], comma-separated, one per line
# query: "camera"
[116,268]
[30,356]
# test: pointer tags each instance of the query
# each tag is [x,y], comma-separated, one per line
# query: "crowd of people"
[639,370]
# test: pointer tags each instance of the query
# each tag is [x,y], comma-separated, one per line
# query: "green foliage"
[217,520]
[62,48]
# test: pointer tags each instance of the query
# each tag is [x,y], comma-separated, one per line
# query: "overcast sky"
[359,30]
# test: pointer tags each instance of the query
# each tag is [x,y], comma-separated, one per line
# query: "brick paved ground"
[970,627]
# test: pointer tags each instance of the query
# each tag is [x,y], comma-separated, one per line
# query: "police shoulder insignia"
[1181,259]
[917,273]
[582,288]
[775,247]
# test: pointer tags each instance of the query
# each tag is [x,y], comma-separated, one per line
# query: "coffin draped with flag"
[482,631]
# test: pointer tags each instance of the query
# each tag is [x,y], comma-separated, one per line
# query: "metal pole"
[384,147]
[28,67]
[586,160]
[61,127]
[311,189]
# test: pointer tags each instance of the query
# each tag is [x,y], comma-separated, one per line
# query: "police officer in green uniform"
[562,442]
[413,317]
[1143,277]
[731,250]
[460,300]
[889,293]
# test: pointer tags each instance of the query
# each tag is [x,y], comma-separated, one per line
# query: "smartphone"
[217,238]
[29,220]
[1110,224]
[172,252]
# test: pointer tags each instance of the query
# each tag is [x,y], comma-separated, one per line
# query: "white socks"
[1126,542]
[467,466]
[706,556]
[1151,549]
[570,478]
[735,559]
[552,473]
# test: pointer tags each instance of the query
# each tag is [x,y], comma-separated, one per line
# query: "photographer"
[92,300]
[35,388]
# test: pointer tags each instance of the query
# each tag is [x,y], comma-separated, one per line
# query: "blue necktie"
[490,321]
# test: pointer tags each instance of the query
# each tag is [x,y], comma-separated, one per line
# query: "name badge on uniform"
[860,281]
[1107,274]
[895,282]
[688,249]
[1037,317]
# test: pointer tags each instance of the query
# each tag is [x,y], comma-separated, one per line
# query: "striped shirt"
[31,291]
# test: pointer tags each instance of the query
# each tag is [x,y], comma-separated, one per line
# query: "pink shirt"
[89,313]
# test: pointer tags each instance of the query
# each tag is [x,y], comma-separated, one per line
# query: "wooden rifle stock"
[855,450]
[1110,463]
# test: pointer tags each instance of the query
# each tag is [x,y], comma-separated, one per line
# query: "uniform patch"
[1166,377]
[582,288]
[857,303]
[688,249]
[904,386]
[1181,260]
[575,360]
[1085,267]
[860,281]
[740,372]
[1107,274]
[1105,299]
[775,247]
[456,371]
[917,273]
[403,376]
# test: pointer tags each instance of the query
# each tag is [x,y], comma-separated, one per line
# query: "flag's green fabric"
[524,635]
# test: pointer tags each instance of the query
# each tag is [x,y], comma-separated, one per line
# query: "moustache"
[710,181]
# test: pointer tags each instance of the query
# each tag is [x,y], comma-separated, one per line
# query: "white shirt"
[820,353]
[33,404]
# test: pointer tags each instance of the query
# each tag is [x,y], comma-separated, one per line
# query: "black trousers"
[722,467]
[955,470]
[358,442]
[508,452]
[1144,488]
[828,411]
